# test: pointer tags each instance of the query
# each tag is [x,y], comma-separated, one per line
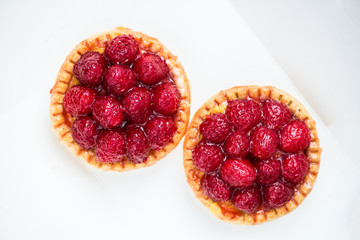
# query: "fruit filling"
[123,102]
[252,155]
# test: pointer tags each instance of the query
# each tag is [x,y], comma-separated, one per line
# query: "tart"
[121,100]
[251,154]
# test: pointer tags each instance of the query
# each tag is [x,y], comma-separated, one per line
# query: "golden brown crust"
[226,211]
[61,120]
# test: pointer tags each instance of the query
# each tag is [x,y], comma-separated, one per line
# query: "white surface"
[317,44]
[47,193]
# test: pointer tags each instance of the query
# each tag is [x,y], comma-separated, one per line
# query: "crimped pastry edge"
[64,78]
[192,138]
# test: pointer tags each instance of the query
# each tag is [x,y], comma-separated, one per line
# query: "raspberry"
[276,195]
[151,68]
[247,199]
[84,132]
[238,173]
[119,79]
[108,112]
[122,49]
[136,104]
[215,128]
[264,142]
[237,144]
[295,137]
[214,187]
[166,98]
[275,114]
[110,146]
[137,147]
[268,171]
[244,114]
[295,167]
[78,101]
[90,68]
[160,131]
[207,157]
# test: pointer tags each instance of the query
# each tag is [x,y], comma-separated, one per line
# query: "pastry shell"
[226,211]
[61,120]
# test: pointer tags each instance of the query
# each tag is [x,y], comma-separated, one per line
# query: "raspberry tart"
[121,100]
[251,154]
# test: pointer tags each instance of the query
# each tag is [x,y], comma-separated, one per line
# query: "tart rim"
[217,102]
[65,77]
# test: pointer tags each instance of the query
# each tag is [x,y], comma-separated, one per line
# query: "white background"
[47,193]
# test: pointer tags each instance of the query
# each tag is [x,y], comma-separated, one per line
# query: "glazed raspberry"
[107,111]
[166,98]
[244,114]
[122,49]
[207,157]
[264,142]
[160,131]
[214,187]
[276,195]
[268,171]
[90,68]
[237,144]
[119,79]
[84,132]
[215,128]
[78,101]
[295,137]
[275,114]
[295,167]
[238,173]
[151,68]
[110,146]
[247,199]
[137,147]
[136,104]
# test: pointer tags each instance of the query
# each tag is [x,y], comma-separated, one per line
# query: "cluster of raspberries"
[125,104]
[253,154]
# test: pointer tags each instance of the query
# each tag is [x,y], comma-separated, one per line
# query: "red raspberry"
[90,68]
[237,144]
[136,104]
[166,98]
[295,167]
[264,142]
[247,199]
[151,68]
[214,187]
[110,146]
[215,128]
[238,173]
[119,79]
[207,157]
[78,101]
[108,112]
[295,137]
[268,171]
[276,195]
[244,114]
[122,49]
[160,131]
[84,132]
[275,114]
[137,146]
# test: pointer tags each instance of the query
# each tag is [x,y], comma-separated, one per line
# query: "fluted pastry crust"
[65,79]
[226,211]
